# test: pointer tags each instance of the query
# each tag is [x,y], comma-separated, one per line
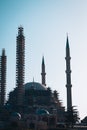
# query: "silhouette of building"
[20,63]
[2,78]
[32,104]
[68,76]
[43,72]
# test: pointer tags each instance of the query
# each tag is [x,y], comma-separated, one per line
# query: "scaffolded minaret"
[2,78]
[68,76]
[43,74]
[20,63]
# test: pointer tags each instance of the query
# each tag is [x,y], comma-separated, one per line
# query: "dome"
[42,112]
[15,116]
[35,86]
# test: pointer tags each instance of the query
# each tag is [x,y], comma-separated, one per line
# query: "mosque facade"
[32,105]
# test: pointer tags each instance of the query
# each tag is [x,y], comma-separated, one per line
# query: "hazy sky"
[46,24]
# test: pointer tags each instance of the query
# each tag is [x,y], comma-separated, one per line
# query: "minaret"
[20,63]
[68,76]
[2,78]
[43,74]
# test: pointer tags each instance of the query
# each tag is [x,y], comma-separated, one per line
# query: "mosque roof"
[35,86]
[42,112]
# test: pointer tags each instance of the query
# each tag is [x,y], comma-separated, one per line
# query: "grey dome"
[35,86]
[15,116]
[42,112]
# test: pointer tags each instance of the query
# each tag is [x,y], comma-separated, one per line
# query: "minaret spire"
[67,48]
[68,76]
[20,63]
[3,64]
[43,74]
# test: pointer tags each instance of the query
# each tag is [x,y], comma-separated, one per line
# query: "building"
[33,105]
[3,64]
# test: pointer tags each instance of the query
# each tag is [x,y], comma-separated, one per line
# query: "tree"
[72,117]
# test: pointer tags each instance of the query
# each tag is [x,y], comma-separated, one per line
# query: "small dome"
[42,112]
[15,116]
[35,86]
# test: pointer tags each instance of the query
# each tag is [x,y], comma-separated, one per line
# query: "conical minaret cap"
[3,52]
[43,60]
[67,48]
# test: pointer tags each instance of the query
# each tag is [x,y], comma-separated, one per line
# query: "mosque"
[32,105]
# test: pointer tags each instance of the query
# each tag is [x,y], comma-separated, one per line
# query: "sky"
[46,24]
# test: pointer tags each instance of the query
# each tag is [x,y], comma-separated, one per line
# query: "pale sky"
[46,24]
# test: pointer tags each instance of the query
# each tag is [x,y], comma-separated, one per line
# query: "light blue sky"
[46,23]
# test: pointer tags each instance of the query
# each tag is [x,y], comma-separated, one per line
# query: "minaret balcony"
[68,85]
[67,57]
[68,71]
